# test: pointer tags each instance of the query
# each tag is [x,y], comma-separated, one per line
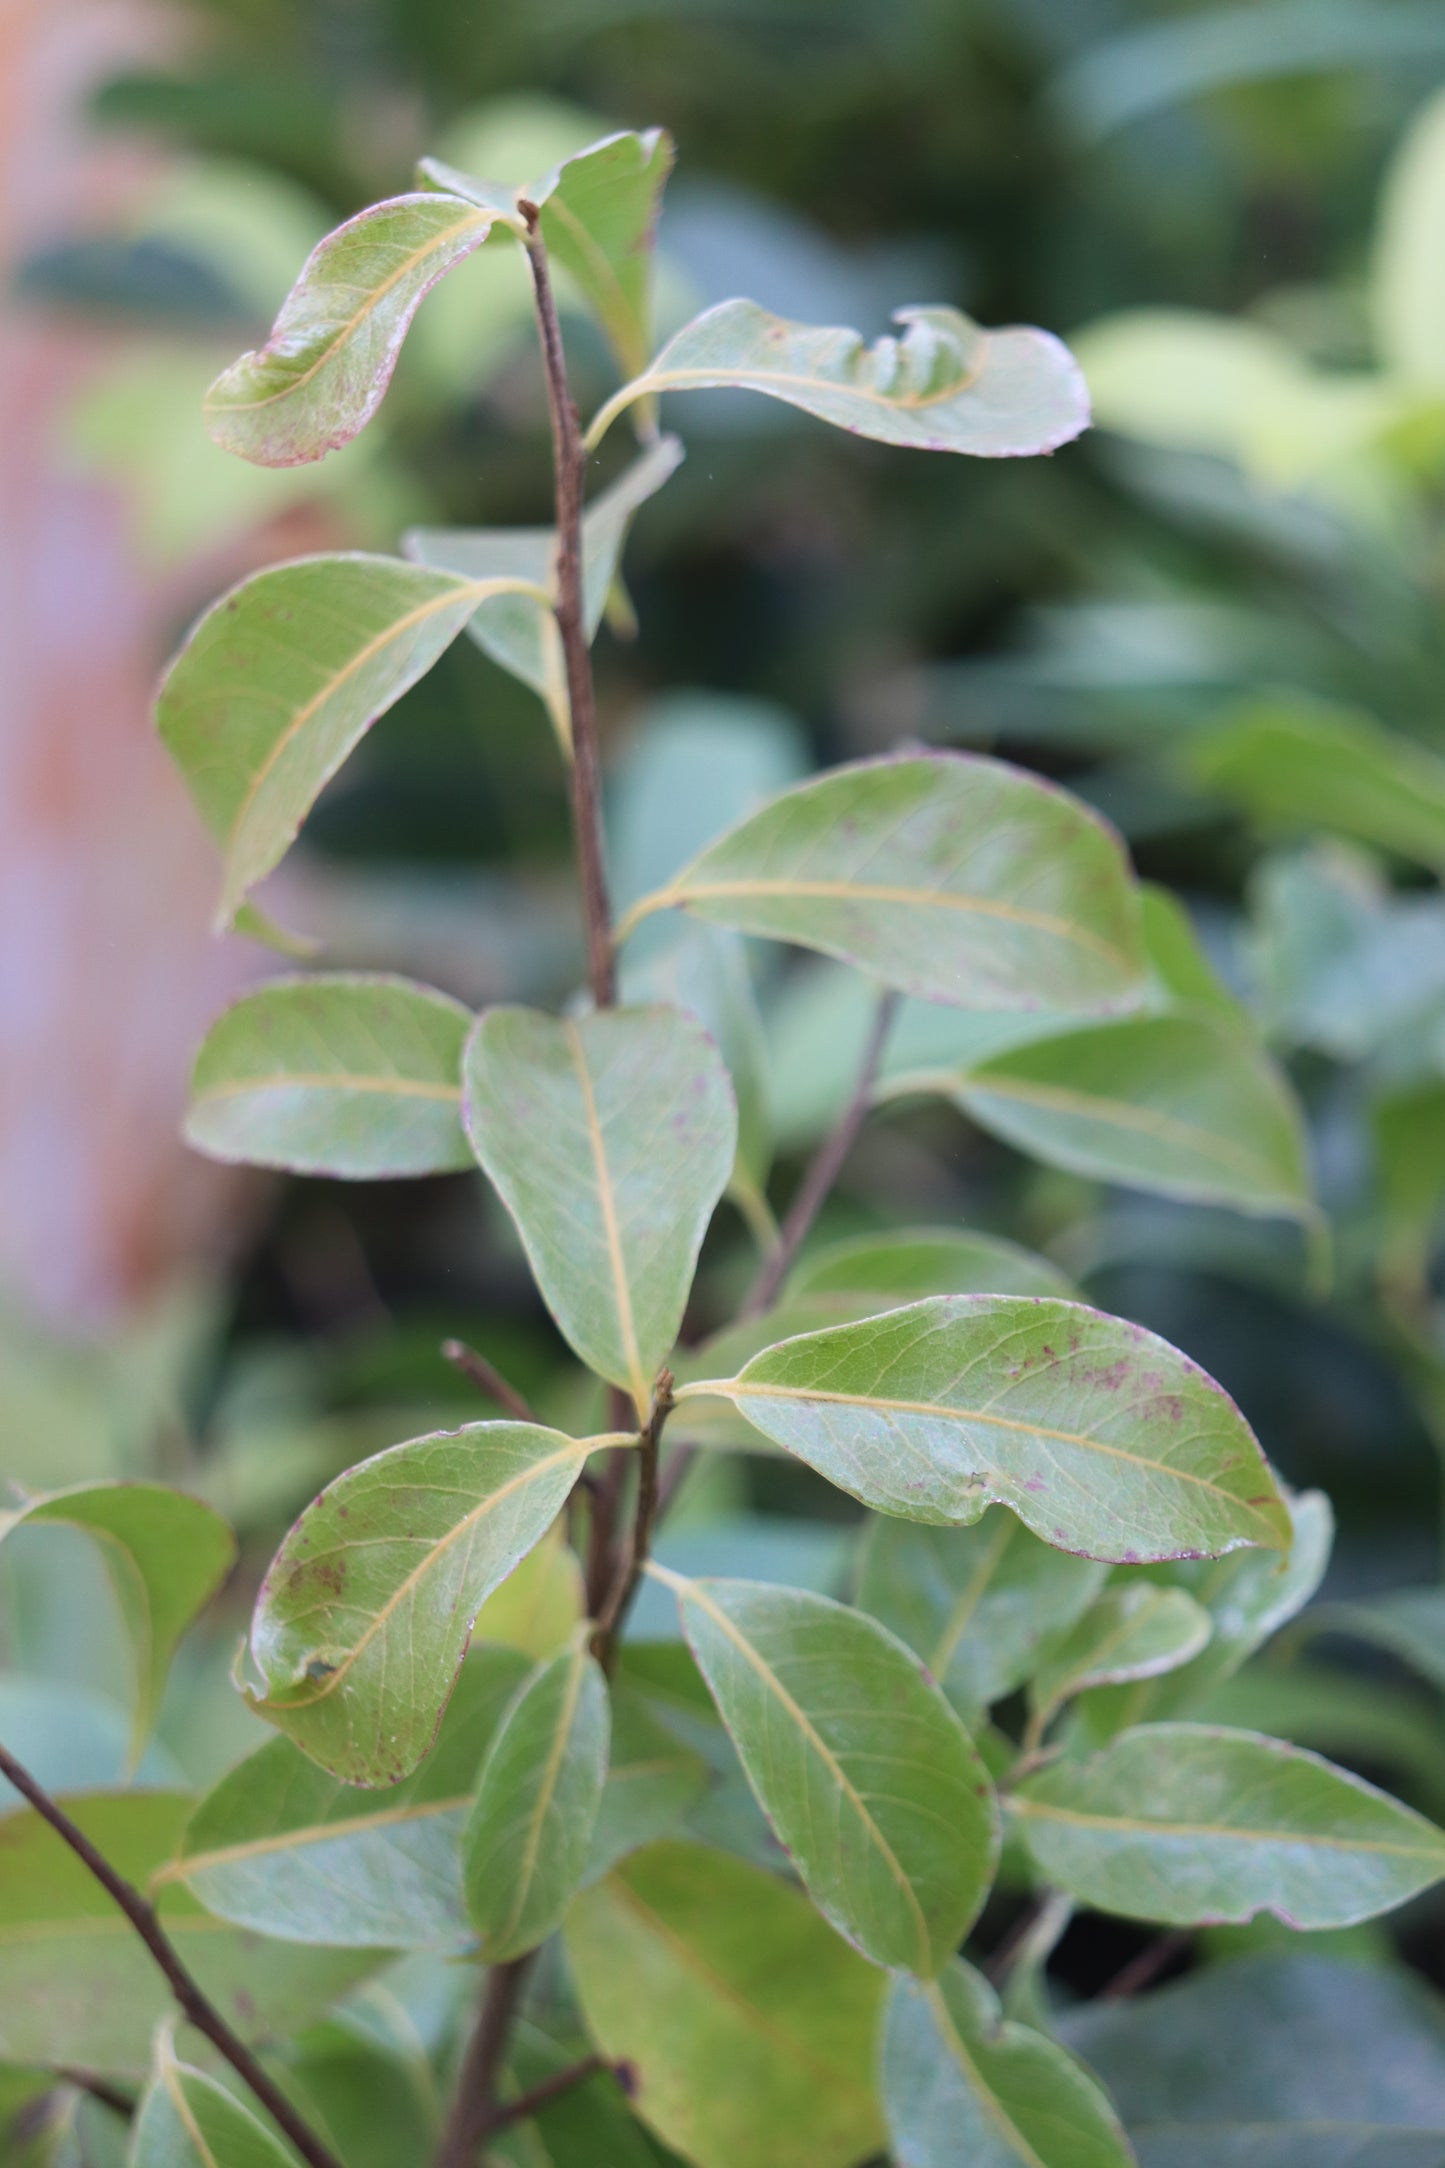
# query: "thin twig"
[487,1379]
[1032,1937]
[1144,1969]
[542,2095]
[624,1585]
[195,2005]
[476,2106]
[110,2096]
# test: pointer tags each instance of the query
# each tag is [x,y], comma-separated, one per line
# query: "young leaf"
[1101,1437]
[365,1612]
[283,677]
[610,1138]
[187,2120]
[944,385]
[324,370]
[282,1847]
[961,2084]
[975,1603]
[350,1074]
[530,1830]
[1134,1631]
[166,1555]
[906,1263]
[750,2025]
[859,1763]
[947,875]
[1189,1824]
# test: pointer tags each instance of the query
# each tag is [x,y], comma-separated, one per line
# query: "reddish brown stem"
[541,2096]
[476,2106]
[613,1614]
[487,1379]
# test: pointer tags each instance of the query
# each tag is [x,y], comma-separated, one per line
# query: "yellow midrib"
[175,2092]
[329,1080]
[286,1840]
[1130,1825]
[980,2091]
[612,1232]
[522,1887]
[968,1602]
[796,380]
[1122,1113]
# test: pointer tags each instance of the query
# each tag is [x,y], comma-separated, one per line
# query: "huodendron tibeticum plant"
[1072,1535]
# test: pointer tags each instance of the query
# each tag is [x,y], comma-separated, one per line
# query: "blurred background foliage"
[1218,618]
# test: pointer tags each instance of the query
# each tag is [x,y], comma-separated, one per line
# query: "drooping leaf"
[281,679]
[749,2024]
[857,1760]
[530,1829]
[1187,1823]
[282,1847]
[364,1615]
[72,1970]
[975,1603]
[944,384]
[1101,1437]
[324,370]
[905,1263]
[610,1138]
[1134,1630]
[1407,1622]
[351,1074]
[166,1555]
[652,1781]
[187,2120]
[963,2085]
[947,875]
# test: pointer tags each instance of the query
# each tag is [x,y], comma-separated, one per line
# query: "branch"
[624,1586]
[195,2005]
[488,1379]
[475,2109]
[110,2096]
[1142,1971]
[550,2089]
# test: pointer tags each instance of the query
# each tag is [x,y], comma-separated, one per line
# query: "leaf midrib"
[328,1080]
[979,2086]
[1120,1113]
[307,1833]
[607,1204]
[546,1791]
[1131,1825]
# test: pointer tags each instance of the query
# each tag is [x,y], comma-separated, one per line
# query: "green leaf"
[1134,1630]
[537,1607]
[351,1074]
[905,1263]
[652,1781]
[589,2125]
[1409,1623]
[1101,1437]
[1193,1823]
[324,370]
[1183,973]
[73,1971]
[529,1833]
[961,2084]
[365,1612]
[610,1138]
[944,385]
[284,1848]
[283,677]
[976,1603]
[863,1769]
[187,2120]
[166,1555]
[750,2025]
[1407,295]
[947,875]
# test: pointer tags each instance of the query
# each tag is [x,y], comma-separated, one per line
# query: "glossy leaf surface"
[1133,1631]
[187,2120]
[353,1075]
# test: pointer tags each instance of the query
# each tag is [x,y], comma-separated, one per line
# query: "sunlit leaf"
[1134,1630]
[187,2120]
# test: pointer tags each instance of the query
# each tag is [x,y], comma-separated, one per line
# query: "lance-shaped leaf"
[282,1847]
[975,1603]
[909,1262]
[1135,1630]
[166,1555]
[353,1074]
[1101,1437]
[324,370]
[944,385]
[750,2025]
[529,1833]
[947,875]
[365,1612]
[962,2084]
[610,1138]
[72,1970]
[857,1760]
[187,2120]
[1193,1823]
[283,677]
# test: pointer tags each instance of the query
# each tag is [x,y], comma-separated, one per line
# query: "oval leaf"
[530,1831]
[610,1138]
[960,2084]
[187,2120]
[350,1075]
[1190,1824]
[906,1263]
[947,875]
[1134,1631]
[324,370]
[365,1612]
[1101,1437]
[944,385]
[859,1763]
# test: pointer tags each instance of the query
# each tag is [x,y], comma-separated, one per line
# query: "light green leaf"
[284,1848]
[1134,1630]
[943,385]
[1101,1437]
[652,1781]
[529,1833]
[749,2023]
[352,1074]
[1182,972]
[365,1612]
[283,677]
[72,1970]
[1407,293]
[166,1555]
[1407,1622]
[961,2085]
[947,875]
[187,2120]
[324,370]
[976,1603]
[537,1607]
[863,1769]
[902,1264]
[610,1138]
[1193,1823]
